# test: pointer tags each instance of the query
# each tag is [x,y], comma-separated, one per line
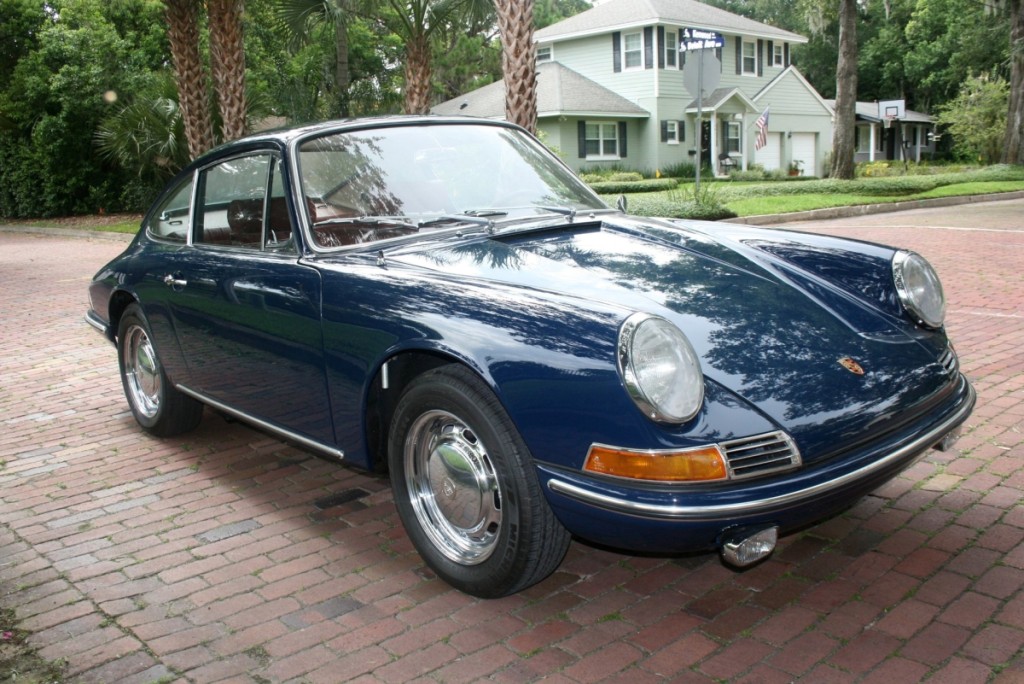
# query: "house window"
[602,141]
[633,50]
[671,48]
[544,54]
[862,135]
[671,132]
[750,58]
[778,56]
[732,136]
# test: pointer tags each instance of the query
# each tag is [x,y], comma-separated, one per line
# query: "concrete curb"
[68,232]
[865,209]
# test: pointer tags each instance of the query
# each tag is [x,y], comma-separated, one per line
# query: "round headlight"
[919,289]
[660,369]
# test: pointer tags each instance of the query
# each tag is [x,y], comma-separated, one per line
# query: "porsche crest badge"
[851,365]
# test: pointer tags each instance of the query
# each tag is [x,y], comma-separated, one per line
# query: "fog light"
[745,548]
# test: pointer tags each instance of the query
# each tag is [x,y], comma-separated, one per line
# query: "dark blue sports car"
[442,299]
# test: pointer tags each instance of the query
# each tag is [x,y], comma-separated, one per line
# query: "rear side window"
[172,220]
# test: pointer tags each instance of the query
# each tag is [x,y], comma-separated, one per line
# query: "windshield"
[374,184]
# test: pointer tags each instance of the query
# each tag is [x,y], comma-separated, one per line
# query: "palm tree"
[416,22]
[518,61]
[227,65]
[190,77]
[303,19]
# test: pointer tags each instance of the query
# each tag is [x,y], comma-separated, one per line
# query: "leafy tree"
[57,93]
[548,12]
[976,119]
[1013,151]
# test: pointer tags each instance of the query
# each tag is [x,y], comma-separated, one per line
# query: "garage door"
[770,156]
[805,150]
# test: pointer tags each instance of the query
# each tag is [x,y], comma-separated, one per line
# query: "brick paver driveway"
[226,555]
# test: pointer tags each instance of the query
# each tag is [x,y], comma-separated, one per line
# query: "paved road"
[228,556]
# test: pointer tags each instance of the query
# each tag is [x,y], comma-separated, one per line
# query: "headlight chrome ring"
[660,369]
[919,289]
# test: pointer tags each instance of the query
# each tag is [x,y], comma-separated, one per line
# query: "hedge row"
[650,185]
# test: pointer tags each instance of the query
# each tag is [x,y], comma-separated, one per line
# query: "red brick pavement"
[205,558]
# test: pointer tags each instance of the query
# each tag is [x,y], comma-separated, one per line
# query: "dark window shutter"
[664,131]
[617,51]
[760,57]
[622,139]
[785,56]
[739,55]
[771,53]
[661,47]
[581,134]
[682,130]
[649,47]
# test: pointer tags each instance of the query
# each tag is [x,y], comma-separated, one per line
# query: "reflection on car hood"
[763,330]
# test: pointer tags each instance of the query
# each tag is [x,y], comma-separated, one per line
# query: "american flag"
[762,129]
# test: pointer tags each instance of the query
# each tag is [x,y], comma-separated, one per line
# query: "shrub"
[625,177]
[680,170]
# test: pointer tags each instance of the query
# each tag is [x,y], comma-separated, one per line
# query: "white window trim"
[601,156]
[672,126]
[778,55]
[743,58]
[625,52]
[730,127]
[671,48]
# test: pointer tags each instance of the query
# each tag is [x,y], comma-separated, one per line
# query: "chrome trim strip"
[264,425]
[726,511]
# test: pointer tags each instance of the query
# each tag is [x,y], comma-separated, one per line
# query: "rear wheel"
[157,406]
[465,487]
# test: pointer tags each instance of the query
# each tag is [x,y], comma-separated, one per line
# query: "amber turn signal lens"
[693,465]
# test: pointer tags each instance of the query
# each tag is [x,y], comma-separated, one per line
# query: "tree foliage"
[976,119]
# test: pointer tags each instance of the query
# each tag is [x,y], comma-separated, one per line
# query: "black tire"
[157,406]
[466,490]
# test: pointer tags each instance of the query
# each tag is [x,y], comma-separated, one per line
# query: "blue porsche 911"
[443,300]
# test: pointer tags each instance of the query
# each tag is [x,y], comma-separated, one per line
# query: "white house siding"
[770,156]
[796,110]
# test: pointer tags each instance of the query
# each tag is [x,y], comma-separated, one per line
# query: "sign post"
[704,73]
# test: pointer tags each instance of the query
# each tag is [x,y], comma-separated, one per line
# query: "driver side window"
[241,204]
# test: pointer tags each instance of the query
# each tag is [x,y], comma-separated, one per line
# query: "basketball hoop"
[887,121]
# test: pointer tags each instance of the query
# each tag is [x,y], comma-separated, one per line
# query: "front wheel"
[157,406]
[465,487]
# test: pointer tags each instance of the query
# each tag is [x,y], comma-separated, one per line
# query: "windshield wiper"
[473,218]
[564,211]
[403,221]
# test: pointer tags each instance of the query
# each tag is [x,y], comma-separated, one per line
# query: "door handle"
[171,281]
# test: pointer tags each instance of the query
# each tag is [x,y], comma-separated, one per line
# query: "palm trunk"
[342,73]
[1013,151]
[843,148]
[518,61]
[417,75]
[183,35]
[227,64]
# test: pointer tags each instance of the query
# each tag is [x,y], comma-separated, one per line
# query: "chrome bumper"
[909,452]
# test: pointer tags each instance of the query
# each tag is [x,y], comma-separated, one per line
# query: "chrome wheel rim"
[453,488]
[141,371]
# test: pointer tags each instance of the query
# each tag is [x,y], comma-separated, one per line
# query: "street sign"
[702,75]
[700,39]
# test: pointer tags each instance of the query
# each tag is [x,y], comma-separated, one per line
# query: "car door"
[246,311]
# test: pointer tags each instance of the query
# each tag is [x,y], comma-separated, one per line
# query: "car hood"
[772,334]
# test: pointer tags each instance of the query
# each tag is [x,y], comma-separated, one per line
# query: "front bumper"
[696,517]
